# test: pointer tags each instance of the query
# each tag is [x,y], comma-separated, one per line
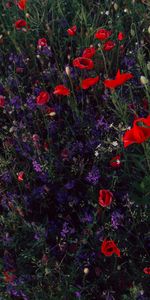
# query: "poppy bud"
[67,70]
[51,111]
[132,32]
[86,271]
[115,6]
[144,80]
[27,15]
[149,29]
[148,66]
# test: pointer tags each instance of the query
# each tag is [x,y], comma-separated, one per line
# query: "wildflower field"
[75,150]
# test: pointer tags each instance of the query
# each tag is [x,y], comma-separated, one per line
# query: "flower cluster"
[75,145]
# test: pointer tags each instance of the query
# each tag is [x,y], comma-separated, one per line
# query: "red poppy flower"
[2,101]
[22,4]
[109,247]
[115,161]
[102,34]
[20,176]
[42,98]
[61,90]
[109,45]
[72,31]
[105,198]
[121,36]
[89,52]
[20,23]
[88,82]
[83,63]
[119,80]
[147,270]
[42,42]
[139,133]
[8,277]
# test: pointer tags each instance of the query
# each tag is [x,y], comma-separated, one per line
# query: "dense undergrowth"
[75,154]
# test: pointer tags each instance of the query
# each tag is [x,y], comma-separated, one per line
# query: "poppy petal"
[88,82]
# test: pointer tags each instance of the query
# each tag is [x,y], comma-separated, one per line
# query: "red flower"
[121,36]
[102,34]
[115,161]
[42,42]
[147,270]
[83,63]
[8,277]
[72,31]
[61,90]
[42,98]
[88,82]
[109,247]
[105,198]
[139,133]
[109,45]
[2,101]
[89,52]
[22,4]
[119,80]
[20,176]
[20,23]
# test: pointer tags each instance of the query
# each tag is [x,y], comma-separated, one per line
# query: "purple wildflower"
[87,218]
[128,61]
[31,103]
[102,123]
[78,294]
[6,177]
[93,176]
[36,166]
[66,230]
[116,219]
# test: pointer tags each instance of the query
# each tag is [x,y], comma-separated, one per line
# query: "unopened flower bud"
[149,29]
[148,66]
[67,70]
[132,32]
[143,80]
[115,6]
[86,271]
